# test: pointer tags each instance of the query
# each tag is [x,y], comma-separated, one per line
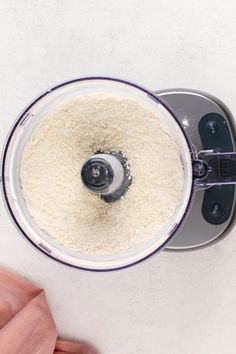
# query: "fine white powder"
[71,214]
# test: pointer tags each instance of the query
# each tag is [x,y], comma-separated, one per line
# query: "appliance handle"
[214,168]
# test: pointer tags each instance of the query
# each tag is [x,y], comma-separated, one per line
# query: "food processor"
[202,128]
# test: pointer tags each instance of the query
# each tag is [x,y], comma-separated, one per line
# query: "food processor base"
[209,124]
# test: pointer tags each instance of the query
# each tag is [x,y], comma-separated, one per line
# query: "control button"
[217,204]
[215,133]
[216,210]
[212,127]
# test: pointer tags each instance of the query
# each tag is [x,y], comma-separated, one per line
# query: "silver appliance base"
[201,113]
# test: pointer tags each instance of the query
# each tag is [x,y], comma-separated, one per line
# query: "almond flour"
[65,209]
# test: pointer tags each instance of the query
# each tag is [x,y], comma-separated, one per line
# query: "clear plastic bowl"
[19,135]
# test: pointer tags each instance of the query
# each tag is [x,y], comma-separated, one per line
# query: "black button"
[217,204]
[212,127]
[216,210]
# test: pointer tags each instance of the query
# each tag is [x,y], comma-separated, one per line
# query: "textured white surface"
[175,303]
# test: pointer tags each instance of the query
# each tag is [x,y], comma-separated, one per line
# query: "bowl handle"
[214,168]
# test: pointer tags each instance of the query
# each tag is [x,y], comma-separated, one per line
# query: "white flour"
[65,209]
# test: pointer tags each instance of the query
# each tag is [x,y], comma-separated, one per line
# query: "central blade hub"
[106,175]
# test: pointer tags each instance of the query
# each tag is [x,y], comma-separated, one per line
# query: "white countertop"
[175,303]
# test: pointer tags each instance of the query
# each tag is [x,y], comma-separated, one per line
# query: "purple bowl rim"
[18,120]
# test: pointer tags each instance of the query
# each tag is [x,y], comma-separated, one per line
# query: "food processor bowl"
[20,134]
